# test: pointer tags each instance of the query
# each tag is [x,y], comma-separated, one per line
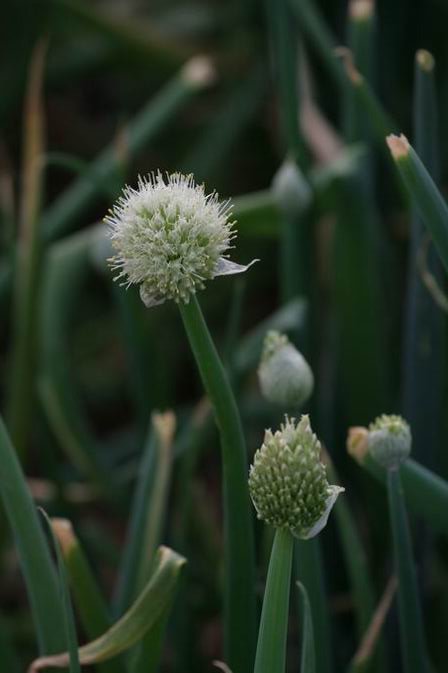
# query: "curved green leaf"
[139,619]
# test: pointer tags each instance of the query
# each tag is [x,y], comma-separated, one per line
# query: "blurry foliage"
[105,61]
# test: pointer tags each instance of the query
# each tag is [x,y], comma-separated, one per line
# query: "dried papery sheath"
[389,440]
[288,483]
[285,376]
[170,237]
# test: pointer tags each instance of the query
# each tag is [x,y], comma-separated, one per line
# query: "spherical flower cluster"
[285,376]
[170,237]
[288,483]
[389,440]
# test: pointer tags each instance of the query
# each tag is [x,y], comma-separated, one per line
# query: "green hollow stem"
[413,647]
[319,36]
[272,636]
[285,53]
[239,599]
[426,493]
[424,327]
[308,570]
[424,193]
[34,555]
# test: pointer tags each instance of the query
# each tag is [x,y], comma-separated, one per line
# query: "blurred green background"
[84,363]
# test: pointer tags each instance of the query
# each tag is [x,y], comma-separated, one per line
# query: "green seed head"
[170,237]
[389,440]
[288,483]
[285,377]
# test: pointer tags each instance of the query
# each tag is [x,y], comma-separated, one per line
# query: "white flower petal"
[225,267]
[322,522]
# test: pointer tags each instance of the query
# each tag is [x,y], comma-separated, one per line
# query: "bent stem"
[239,600]
[271,647]
[413,645]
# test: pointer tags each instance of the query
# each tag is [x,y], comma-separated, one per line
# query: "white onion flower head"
[170,237]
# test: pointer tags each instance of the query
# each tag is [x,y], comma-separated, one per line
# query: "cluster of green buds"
[285,376]
[288,483]
[170,237]
[387,440]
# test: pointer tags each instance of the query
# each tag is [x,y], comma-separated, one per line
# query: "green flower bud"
[288,483]
[291,189]
[285,376]
[389,440]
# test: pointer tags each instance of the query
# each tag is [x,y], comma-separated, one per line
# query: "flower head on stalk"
[170,237]
[288,483]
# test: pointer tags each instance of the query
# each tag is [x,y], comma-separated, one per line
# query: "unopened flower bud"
[285,376]
[288,483]
[389,440]
[291,189]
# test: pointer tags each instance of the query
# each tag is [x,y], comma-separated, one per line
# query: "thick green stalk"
[413,645]
[426,493]
[424,193]
[309,571]
[423,335]
[285,57]
[37,566]
[318,33]
[272,636]
[240,607]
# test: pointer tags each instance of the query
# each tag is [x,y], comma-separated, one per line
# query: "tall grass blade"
[89,600]
[26,273]
[423,192]
[69,618]
[308,658]
[413,647]
[316,30]
[423,335]
[272,635]
[67,264]
[309,572]
[35,559]
[355,559]
[148,511]
[285,58]
[239,597]
[142,616]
